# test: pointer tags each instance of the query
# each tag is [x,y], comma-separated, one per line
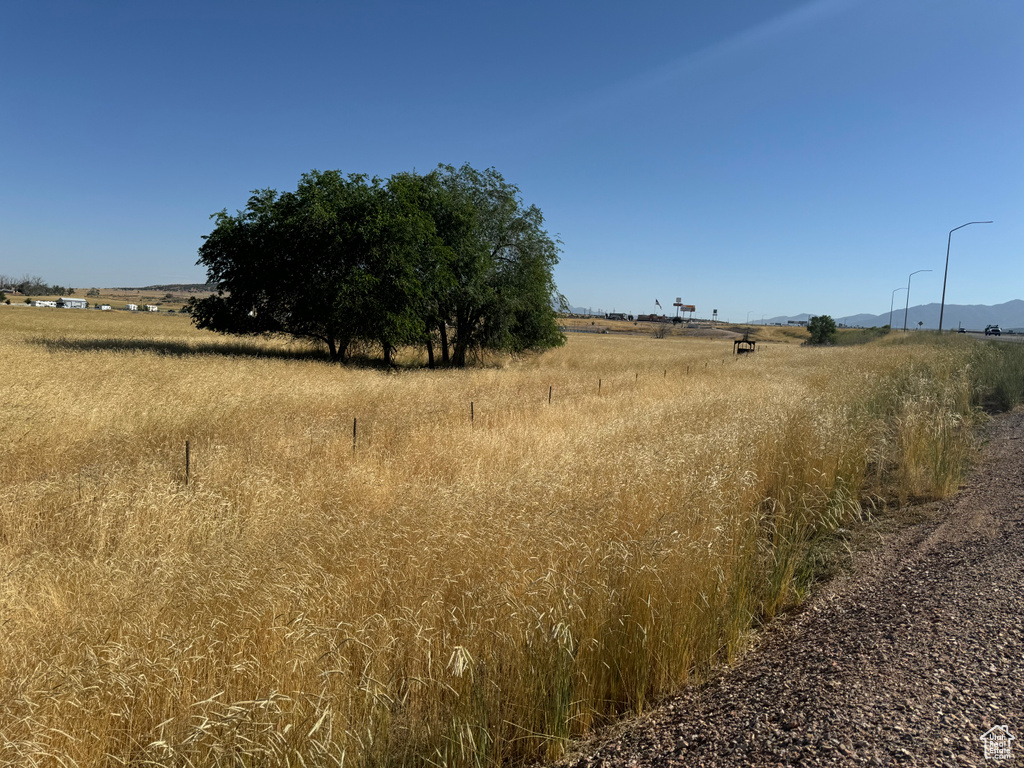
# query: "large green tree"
[822,329]
[291,263]
[499,291]
[451,260]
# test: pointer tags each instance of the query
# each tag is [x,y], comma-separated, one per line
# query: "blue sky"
[760,157]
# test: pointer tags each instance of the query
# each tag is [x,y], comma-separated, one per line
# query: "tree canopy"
[822,329]
[451,261]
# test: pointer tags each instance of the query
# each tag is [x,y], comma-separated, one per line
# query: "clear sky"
[760,157]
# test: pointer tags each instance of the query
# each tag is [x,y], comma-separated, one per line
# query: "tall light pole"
[891,300]
[949,240]
[908,297]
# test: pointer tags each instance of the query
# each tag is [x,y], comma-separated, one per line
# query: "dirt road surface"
[909,660]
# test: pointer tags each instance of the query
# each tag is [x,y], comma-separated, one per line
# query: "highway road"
[1017,337]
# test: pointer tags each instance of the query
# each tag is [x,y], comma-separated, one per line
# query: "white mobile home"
[71,303]
[152,308]
[132,307]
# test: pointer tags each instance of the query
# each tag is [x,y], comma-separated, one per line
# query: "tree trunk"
[338,349]
[430,352]
[463,338]
[443,328]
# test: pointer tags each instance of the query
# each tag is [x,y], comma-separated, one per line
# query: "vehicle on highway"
[992,330]
[961,329]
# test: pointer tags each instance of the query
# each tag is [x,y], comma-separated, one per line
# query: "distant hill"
[180,287]
[971,316]
[586,310]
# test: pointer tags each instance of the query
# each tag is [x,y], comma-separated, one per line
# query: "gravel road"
[907,660]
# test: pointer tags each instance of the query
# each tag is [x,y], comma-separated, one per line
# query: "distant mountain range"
[590,310]
[974,317]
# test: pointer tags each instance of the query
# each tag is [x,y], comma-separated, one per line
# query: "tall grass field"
[494,561]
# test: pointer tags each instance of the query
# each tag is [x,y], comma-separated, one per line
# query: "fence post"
[549,395]
[472,416]
[188,462]
[355,423]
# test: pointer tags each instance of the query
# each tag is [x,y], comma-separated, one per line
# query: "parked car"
[961,329]
[993,330]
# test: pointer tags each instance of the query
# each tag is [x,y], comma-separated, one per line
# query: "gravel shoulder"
[908,659]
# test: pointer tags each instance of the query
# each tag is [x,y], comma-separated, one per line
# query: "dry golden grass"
[721,331]
[448,593]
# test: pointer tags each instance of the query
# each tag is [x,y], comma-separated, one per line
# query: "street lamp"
[891,300]
[908,297]
[942,307]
